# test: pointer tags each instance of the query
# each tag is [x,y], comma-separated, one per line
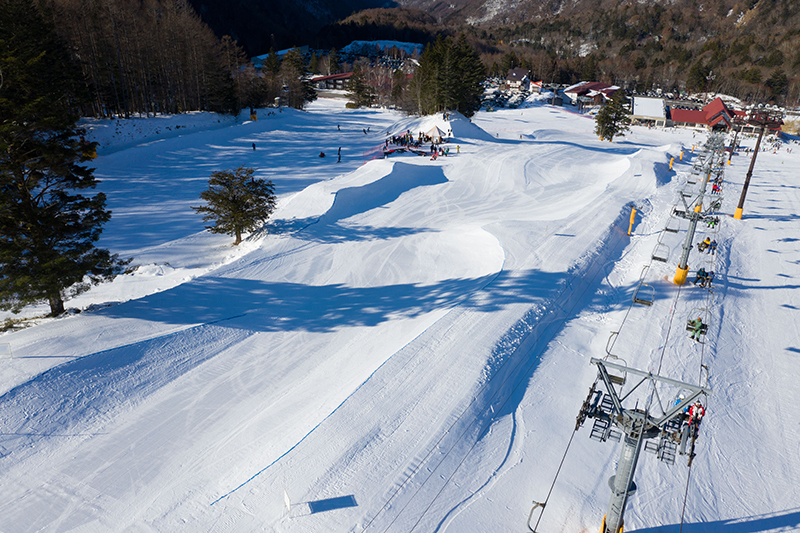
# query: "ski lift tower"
[765,120]
[714,162]
[640,428]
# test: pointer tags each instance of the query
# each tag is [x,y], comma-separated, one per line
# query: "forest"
[750,50]
[161,56]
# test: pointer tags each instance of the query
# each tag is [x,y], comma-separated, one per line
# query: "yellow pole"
[671,160]
[680,275]
[681,155]
[698,208]
[738,213]
[633,218]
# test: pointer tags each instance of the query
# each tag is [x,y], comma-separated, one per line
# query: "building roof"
[713,113]
[690,116]
[644,106]
[518,74]
[340,76]
[584,87]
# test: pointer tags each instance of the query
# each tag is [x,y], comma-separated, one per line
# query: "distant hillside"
[260,24]
[398,24]
[747,48]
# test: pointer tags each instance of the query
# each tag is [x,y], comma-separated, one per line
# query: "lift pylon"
[714,145]
[637,425]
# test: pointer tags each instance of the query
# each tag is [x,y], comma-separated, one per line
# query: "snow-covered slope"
[405,345]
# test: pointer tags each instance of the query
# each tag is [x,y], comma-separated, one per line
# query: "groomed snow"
[405,345]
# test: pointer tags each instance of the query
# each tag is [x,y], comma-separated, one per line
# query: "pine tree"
[358,90]
[47,231]
[236,202]
[295,77]
[613,119]
[313,64]
[472,73]
[272,63]
[449,77]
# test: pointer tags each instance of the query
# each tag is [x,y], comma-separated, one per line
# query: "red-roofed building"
[333,82]
[715,115]
[597,91]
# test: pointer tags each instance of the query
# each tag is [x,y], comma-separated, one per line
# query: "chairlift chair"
[661,252]
[646,296]
[673,225]
[697,312]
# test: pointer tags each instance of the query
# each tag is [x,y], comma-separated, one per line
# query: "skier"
[254,146]
[712,248]
[339,127]
[708,279]
[712,222]
[701,246]
[696,327]
[322,154]
[701,276]
[696,413]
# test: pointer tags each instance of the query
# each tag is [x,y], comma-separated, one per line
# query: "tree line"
[449,77]
[49,217]
[149,56]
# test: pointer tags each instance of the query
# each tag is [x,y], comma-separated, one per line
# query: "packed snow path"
[406,345]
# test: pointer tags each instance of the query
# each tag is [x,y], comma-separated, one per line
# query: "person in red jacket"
[696,413]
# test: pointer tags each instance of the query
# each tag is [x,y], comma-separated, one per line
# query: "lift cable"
[555,478]
[463,413]
[685,496]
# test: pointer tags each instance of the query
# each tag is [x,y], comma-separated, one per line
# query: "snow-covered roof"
[644,106]
[586,86]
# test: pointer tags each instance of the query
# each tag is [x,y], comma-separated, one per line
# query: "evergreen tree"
[295,78]
[47,231]
[313,64]
[449,77]
[471,75]
[358,90]
[236,202]
[272,63]
[613,119]
[698,77]
[777,83]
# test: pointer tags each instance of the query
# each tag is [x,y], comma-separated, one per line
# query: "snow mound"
[462,128]
[352,201]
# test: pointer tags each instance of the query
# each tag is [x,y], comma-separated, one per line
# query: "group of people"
[704,278]
[708,245]
[405,140]
[692,414]
[438,151]
[414,144]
